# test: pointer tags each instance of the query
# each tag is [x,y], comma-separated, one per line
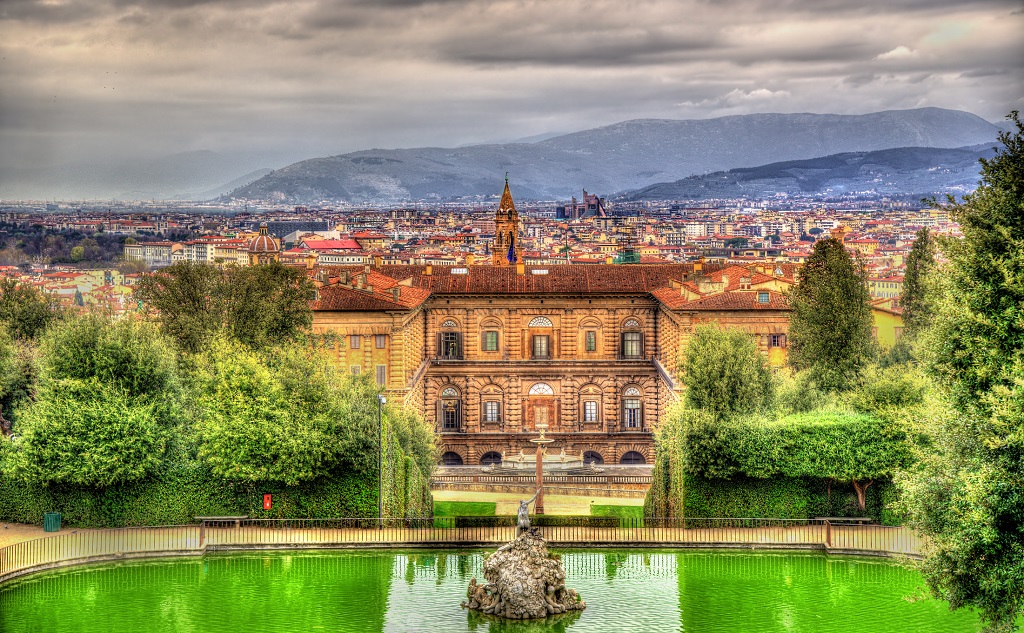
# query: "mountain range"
[625,156]
[908,171]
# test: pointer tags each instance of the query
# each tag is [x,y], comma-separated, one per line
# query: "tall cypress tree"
[914,299]
[830,327]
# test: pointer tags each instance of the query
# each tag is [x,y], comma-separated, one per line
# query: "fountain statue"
[524,580]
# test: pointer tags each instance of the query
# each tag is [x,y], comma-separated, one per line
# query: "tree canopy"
[258,305]
[290,416]
[26,311]
[967,492]
[830,324]
[104,407]
[725,373]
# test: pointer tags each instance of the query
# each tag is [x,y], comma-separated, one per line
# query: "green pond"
[696,591]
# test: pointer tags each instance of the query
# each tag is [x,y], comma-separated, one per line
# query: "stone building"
[486,353]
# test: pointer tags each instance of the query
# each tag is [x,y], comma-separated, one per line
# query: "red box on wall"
[268,501]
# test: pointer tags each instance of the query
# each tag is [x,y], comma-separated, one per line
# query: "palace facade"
[486,353]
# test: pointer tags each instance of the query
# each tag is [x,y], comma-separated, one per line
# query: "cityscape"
[511,316]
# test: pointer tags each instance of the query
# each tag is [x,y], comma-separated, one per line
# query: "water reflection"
[692,591]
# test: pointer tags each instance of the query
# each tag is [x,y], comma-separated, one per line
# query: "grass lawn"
[464,508]
[623,512]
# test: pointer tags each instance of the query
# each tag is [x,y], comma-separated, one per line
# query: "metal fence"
[89,545]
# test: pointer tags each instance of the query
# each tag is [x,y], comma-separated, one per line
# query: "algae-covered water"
[694,591]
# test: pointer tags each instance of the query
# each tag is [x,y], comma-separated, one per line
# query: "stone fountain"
[523,580]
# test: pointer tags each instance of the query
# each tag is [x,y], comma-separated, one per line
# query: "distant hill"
[624,156]
[916,171]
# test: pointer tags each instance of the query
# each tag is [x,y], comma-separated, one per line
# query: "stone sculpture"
[523,580]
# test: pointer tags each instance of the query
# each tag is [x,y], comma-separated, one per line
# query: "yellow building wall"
[887,327]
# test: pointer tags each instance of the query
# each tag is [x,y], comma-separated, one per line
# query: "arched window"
[449,410]
[541,322]
[592,457]
[632,408]
[632,340]
[490,457]
[632,457]
[450,458]
[449,341]
[542,389]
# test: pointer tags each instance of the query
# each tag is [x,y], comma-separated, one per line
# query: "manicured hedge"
[797,467]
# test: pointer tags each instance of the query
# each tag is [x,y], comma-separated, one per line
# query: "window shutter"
[782,341]
[440,344]
[458,344]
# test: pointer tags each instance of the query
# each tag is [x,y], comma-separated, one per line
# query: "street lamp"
[381,401]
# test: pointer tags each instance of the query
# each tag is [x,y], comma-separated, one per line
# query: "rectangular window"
[451,345]
[631,344]
[382,374]
[490,341]
[762,297]
[354,341]
[355,369]
[777,340]
[591,341]
[492,411]
[590,411]
[540,346]
[450,415]
[632,411]
[381,341]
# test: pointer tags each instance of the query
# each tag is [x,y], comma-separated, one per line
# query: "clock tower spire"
[506,249]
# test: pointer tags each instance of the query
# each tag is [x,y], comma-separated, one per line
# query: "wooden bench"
[237,520]
[854,520]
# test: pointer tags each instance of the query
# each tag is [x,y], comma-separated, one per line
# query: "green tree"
[260,306]
[725,373]
[967,492]
[26,311]
[104,408]
[185,300]
[287,417]
[267,305]
[830,325]
[914,299]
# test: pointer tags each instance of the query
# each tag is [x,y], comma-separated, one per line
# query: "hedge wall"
[177,494]
[796,467]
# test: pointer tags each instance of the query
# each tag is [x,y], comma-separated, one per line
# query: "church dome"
[263,243]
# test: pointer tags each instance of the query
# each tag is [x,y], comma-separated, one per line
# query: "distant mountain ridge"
[914,171]
[625,156]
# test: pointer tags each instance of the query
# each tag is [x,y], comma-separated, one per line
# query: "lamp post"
[381,401]
[541,442]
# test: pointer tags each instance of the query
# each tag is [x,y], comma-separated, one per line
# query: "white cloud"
[900,52]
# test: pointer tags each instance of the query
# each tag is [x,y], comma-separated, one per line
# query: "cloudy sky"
[95,79]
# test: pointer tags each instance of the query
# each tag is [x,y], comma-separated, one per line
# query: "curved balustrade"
[95,545]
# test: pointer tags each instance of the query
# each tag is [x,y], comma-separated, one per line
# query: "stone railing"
[83,546]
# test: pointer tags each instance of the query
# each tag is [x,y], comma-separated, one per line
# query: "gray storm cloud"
[93,80]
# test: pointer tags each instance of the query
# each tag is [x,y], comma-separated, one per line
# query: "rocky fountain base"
[524,582]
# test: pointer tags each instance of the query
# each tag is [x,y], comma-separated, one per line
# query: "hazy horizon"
[109,81]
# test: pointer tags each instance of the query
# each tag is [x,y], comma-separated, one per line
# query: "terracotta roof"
[738,300]
[559,278]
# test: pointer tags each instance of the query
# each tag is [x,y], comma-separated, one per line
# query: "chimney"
[520,268]
[429,271]
[396,292]
[377,261]
[366,268]
[343,279]
[360,280]
[725,281]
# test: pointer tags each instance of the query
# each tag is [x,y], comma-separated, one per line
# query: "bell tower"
[506,249]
